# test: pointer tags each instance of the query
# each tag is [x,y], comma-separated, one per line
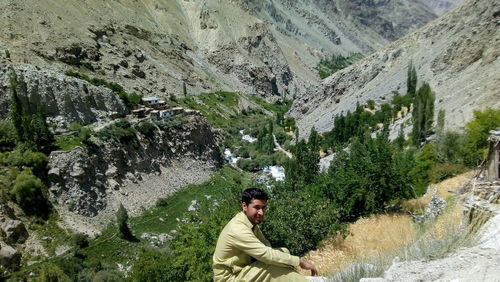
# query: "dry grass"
[369,236]
[386,235]
[419,205]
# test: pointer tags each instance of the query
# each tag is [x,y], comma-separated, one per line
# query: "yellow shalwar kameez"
[240,241]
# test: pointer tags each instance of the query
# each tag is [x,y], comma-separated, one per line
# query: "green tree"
[423,114]
[122,222]
[477,132]
[16,107]
[369,177]
[300,220]
[184,89]
[440,122]
[314,140]
[411,82]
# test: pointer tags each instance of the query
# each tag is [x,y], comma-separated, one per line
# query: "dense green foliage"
[189,256]
[120,131]
[29,127]
[477,132]
[122,222]
[423,114]
[28,193]
[79,135]
[411,80]
[327,67]
[8,137]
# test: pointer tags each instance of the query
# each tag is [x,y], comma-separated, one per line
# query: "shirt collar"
[244,219]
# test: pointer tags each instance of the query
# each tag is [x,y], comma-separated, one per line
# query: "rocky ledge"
[89,181]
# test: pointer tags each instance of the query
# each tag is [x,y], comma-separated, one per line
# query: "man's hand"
[304,264]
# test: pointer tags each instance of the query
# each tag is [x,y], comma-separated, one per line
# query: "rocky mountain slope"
[87,184]
[63,98]
[153,47]
[457,54]
[440,7]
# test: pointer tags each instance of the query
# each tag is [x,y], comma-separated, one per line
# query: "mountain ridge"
[437,51]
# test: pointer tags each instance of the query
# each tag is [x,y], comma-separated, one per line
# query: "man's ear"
[244,206]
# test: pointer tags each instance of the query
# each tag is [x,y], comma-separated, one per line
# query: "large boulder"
[9,257]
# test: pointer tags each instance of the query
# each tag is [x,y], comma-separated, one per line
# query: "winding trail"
[279,148]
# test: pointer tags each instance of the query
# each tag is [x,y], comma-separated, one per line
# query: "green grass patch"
[109,249]
[329,66]
[66,143]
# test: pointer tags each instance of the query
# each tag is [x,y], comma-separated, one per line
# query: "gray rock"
[62,249]
[14,230]
[9,257]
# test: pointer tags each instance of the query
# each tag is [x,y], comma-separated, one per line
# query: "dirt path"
[279,148]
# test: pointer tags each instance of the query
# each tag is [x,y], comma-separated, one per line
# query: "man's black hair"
[253,193]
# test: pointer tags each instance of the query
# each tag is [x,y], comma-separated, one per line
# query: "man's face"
[255,210]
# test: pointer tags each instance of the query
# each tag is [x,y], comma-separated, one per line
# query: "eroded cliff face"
[265,48]
[457,54]
[64,99]
[92,181]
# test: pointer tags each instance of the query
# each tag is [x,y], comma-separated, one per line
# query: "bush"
[108,276]
[24,157]
[120,131]
[169,122]
[446,170]
[122,222]
[477,132]
[146,128]
[80,240]
[51,273]
[299,221]
[27,193]
[8,135]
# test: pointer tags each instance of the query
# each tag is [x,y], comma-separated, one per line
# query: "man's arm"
[246,241]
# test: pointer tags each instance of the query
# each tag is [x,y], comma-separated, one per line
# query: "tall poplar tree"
[423,114]
[16,112]
[411,82]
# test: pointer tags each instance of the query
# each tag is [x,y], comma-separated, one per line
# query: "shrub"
[80,240]
[120,131]
[446,170]
[477,132]
[146,128]
[8,135]
[24,156]
[108,276]
[27,193]
[51,273]
[122,222]
[169,122]
[299,221]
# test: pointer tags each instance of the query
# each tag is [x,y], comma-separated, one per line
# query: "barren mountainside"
[457,54]
[153,47]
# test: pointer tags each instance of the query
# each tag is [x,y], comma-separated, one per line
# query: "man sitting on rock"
[244,254]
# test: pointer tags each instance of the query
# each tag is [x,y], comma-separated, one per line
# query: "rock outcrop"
[64,99]
[12,232]
[92,181]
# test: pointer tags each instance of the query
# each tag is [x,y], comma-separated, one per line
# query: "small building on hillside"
[492,165]
[159,114]
[152,101]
